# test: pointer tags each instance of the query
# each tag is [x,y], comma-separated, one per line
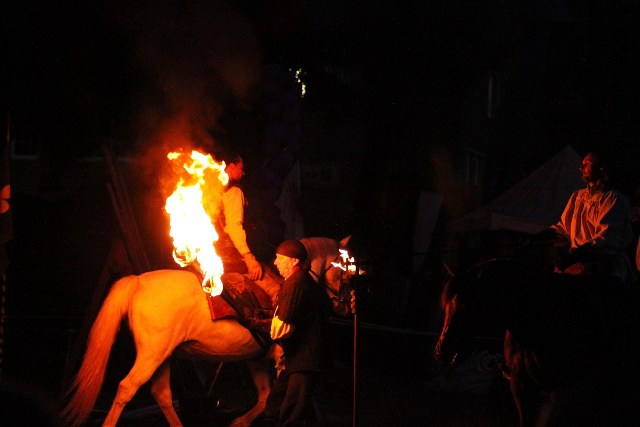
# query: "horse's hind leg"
[260,374]
[161,391]
[139,374]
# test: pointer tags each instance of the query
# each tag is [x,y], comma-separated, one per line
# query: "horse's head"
[464,302]
[323,253]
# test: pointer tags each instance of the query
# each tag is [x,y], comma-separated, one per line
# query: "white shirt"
[233,202]
[280,329]
[600,219]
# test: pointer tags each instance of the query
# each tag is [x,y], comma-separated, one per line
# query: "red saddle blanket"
[240,294]
[219,308]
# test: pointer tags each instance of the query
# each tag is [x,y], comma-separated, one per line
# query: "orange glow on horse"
[167,311]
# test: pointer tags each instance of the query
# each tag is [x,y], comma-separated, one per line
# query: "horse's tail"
[87,383]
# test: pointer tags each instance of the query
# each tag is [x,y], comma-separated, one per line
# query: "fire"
[348,264]
[192,230]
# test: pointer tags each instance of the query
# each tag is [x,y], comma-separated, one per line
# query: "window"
[24,149]
[473,166]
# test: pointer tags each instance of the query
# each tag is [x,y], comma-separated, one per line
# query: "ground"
[397,384]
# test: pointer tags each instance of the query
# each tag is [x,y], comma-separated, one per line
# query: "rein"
[336,294]
[313,273]
[339,301]
[324,282]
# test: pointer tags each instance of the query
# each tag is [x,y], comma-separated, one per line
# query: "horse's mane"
[322,251]
[457,281]
[319,246]
[495,267]
[517,281]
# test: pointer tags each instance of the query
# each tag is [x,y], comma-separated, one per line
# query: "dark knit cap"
[292,249]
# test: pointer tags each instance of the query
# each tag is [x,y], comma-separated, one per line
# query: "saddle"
[252,305]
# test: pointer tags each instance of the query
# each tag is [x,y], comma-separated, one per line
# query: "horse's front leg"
[262,380]
[526,394]
[161,392]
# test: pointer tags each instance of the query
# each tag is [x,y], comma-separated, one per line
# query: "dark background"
[396,97]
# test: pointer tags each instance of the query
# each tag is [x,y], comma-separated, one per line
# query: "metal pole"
[355,352]
[3,291]
[215,378]
[6,157]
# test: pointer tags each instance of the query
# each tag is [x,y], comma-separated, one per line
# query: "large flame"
[192,230]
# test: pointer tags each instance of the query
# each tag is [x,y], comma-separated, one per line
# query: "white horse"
[167,310]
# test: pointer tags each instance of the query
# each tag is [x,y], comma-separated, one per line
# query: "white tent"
[533,204]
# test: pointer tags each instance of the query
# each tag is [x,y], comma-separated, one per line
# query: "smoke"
[198,59]
[194,61]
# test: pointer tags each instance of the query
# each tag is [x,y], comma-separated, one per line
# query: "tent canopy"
[532,205]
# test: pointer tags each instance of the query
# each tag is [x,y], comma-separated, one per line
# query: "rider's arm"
[563,227]
[234,203]
[613,228]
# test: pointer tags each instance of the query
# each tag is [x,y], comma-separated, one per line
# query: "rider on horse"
[232,246]
[241,269]
[594,230]
[591,240]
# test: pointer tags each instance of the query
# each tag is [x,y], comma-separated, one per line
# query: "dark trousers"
[290,402]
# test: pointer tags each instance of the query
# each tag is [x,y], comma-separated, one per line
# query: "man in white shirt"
[596,226]
[232,246]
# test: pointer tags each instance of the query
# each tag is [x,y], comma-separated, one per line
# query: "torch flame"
[191,228]
[348,264]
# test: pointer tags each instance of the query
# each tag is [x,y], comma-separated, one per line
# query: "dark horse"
[561,358]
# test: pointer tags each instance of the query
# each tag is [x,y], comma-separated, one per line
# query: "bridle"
[344,283]
[343,280]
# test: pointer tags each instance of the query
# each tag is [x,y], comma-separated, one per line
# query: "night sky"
[76,71]
[67,65]
[390,86]
[394,92]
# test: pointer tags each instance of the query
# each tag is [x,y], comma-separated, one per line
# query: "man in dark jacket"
[299,326]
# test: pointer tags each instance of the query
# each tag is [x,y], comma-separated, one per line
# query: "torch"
[349,269]
[191,227]
[354,273]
